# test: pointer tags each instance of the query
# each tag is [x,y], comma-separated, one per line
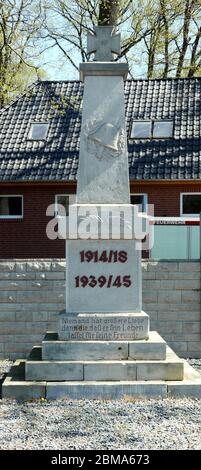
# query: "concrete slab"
[84,350]
[152,348]
[110,370]
[53,370]
[14,386]
[105,390]
[189,387]
[21,390]
[172,368]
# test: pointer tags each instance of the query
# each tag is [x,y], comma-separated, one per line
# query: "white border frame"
[8,217]
[145,198]
[181,204]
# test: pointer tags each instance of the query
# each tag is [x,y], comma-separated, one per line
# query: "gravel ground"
[83,424]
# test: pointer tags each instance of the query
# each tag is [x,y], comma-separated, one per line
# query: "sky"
[57,67]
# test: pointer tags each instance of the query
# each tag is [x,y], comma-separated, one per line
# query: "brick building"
[39,150]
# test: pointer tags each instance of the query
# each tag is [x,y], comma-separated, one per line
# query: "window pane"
[141,130]
[63,199]
[10,206]
[139,200]
[163,129]
[39,131]
[192,204]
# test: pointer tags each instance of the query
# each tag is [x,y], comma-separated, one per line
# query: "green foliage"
[20,21]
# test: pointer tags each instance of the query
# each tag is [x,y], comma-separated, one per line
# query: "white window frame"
[145,195]
[152,122]
[181,203]
[30,131]
[13,216]
[56,203]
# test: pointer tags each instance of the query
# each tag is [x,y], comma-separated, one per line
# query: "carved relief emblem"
[104,139]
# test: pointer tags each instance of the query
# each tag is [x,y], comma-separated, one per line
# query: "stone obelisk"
[103,292]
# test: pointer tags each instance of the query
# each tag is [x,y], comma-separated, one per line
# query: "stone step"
[152,348]
[54,370]
[15,387]
[105,390]
[170,369]
[99,370]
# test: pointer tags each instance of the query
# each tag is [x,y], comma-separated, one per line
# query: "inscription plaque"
[103,326]
[108,271]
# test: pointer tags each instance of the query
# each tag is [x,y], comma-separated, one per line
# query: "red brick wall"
[165,197]
[26,238]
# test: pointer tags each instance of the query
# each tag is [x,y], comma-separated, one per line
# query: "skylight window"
[162,129]
[143,129]
[38,130]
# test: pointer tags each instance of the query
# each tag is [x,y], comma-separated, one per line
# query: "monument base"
[103,326]
[101,370]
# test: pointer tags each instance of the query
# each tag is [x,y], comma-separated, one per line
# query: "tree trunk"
[108,12]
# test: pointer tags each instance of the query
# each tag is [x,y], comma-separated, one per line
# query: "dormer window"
[157,129]
[38,130]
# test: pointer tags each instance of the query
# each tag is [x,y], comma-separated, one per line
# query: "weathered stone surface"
[21,390]
[94,185]
[164,266]
[153,348]
[187,284]
[110,370]
[167,284]
[190,296]
[7,316]
[103,326]
[105,390]
[189,387]
[190,390]
[53,370]
[169,296]
[11,309]
[189,266]
[84,350]
[178,346]
[149,296]
[180,316]
[194,345]
[98,68]
[55,275]
[160,371]
[109,298]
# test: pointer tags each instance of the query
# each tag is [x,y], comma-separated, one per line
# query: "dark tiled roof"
[60,103]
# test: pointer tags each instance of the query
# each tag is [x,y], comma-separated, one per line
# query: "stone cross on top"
[104,43]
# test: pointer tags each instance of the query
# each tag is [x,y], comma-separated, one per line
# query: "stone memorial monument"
[103,298]
[103,347]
